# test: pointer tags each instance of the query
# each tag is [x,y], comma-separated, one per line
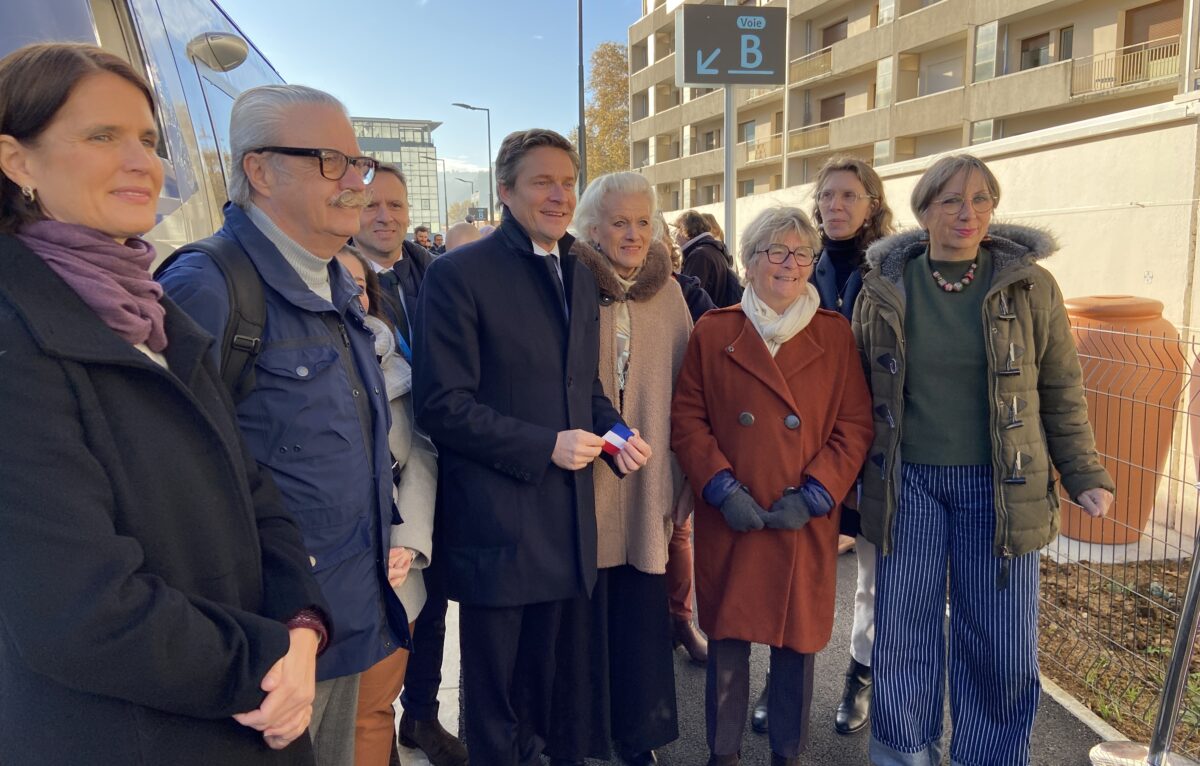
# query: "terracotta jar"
[1133,374]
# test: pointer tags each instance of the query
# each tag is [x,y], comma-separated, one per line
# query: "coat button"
[792,422]
[746,418]
[729,349]
[302,371]
[312,561]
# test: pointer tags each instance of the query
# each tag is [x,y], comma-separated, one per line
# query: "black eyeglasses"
[334,164]
[778,254]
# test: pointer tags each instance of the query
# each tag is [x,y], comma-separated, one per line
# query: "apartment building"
[893,80]
[409,144]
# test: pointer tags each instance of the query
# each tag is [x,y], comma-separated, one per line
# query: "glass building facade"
[409,144]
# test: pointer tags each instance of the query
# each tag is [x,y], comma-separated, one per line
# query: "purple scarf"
[111,278]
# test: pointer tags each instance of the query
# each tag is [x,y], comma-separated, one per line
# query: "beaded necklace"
[956,287]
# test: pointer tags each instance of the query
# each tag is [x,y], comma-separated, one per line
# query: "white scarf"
[777,329]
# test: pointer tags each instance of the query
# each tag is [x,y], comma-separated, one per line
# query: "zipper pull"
[1002,578]
[345,335]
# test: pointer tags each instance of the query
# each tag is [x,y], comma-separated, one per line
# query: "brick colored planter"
[1133,372]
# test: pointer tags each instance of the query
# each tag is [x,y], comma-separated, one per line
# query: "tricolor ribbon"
[615,439]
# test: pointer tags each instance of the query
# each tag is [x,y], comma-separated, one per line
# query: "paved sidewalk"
[1059,739]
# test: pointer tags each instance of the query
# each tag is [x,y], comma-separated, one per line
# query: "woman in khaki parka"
[978,404]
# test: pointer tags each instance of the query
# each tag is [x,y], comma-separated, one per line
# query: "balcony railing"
[1143,62]
[759,149]
[812,65]
[809,137]
[753,93]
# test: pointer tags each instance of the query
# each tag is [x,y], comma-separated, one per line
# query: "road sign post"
[726,46]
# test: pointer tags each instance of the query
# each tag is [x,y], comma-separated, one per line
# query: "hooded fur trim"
[1009,244]
[654,274]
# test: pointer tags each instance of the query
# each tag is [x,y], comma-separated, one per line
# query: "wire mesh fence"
[1112,588]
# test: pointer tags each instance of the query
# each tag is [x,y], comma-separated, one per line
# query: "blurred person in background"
[770,422]
[400,265]
[681,584]
[706,258]
[460,234]
[414,474]
[159,605]
[714,227]
[978,403]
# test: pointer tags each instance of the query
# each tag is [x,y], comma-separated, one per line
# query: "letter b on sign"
[751,52]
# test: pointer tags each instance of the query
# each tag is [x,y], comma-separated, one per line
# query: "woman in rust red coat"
[771,421]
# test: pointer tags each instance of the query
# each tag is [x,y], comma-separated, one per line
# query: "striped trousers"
[946,522]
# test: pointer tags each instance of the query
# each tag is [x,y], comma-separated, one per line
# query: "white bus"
[197,61]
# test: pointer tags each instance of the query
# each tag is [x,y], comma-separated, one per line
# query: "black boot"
[724,760]
[779,760]
[635,758]
[440,746]
[854,712]
[758,720]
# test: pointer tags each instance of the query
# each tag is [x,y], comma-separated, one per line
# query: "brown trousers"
[375,728]
[680,584]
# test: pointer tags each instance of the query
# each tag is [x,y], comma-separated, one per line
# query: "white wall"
[1118,191]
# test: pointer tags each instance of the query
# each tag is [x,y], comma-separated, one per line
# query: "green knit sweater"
[946,385]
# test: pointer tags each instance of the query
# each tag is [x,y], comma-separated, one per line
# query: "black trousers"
[630,671]
[727,696]
[516,670]
[423,677]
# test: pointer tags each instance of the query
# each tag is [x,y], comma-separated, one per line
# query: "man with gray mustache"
[309,392]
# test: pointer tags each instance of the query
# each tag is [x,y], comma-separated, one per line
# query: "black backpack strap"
[243,336]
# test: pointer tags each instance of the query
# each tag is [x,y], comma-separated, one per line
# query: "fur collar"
[654,274]
[1010,245]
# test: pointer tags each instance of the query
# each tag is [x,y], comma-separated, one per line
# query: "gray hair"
[774,222]
[257,120]
[590,210]
[939,174]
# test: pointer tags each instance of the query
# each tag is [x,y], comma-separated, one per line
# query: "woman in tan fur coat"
[644,328]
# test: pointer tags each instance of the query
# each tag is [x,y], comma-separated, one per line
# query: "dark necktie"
[552,267]
[390,282]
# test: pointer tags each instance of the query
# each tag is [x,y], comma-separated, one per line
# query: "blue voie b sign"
[730,45]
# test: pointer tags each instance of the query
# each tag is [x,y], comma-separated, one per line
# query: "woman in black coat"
[157,604]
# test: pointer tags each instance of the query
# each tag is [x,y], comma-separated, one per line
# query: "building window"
[985,51]
[983,131]
[1066,43]
[746,188]
[710,139]
[885,12]
[833,107]
[882,152]
[833,33]
[746,132]
[1035,51]
[883,82]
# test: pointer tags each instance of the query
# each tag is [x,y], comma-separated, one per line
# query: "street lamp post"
[491,181]
[445,202]
[582,117]
[456,178]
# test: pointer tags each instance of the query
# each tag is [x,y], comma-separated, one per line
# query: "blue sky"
[413,58]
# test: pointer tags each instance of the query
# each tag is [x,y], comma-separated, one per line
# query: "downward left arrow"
[702,64]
